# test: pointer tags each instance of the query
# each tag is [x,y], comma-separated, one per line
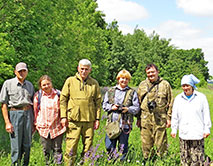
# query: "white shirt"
[191,116]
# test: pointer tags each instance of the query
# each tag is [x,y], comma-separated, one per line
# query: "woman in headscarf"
[191,116]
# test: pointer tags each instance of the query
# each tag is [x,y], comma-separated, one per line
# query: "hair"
[44,77]
[148,66]
[85,62]
[123,73]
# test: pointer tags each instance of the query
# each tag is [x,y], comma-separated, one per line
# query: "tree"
[6,56]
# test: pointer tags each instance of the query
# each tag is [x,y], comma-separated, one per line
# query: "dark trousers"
[52,145]
[21,138]
[122,140]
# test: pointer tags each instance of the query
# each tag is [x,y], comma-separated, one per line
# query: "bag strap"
[156,83]
[128,93]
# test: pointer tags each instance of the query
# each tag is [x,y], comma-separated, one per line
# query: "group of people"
[76,110]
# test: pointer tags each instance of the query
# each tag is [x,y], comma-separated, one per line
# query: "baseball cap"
[21,66]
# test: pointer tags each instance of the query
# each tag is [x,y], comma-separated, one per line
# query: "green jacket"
[80,100]
[161,93]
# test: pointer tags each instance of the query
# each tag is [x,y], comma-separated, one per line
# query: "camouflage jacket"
[161,94]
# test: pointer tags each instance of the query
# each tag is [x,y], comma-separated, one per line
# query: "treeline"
[51,36]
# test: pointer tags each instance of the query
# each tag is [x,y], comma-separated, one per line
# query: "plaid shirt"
[47,118]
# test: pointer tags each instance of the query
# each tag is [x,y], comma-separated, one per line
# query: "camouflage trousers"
[153,134]
[192,152]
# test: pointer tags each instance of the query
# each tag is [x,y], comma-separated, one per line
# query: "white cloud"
[122,10]
[184,36]
[178,29]
[197,7]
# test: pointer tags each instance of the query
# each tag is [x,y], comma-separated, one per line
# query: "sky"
[189,23]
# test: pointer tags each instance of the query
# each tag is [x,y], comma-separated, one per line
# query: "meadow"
[99,156]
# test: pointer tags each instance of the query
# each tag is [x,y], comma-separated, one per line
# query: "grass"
[99,156]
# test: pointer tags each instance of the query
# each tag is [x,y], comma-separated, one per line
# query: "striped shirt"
[47,118]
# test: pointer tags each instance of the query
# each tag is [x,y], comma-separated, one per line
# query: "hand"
[115,107]
[124,109]
[138,123]
[64,122]
[168,123]
[96,124]
[9,127]
[205,135]
[173,135]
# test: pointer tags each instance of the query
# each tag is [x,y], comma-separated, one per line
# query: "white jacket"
[191,116]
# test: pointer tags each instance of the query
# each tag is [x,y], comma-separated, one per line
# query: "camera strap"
[149,89]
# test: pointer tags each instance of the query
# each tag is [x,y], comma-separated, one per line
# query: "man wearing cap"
[193,130]
[16,97]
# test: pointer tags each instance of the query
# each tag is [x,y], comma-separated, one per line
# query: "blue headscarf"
[190,80]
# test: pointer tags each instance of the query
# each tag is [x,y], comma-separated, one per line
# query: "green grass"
[135,156]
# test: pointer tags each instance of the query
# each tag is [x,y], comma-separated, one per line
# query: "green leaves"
[52,36]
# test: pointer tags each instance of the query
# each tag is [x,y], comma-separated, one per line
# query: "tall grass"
[99,156]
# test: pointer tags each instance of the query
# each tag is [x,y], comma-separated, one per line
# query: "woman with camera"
[121,104]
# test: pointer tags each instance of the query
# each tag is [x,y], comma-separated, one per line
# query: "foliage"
[6,56]
[52,36]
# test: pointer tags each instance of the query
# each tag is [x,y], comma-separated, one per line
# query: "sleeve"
[4,94]
[135,107]
[207,119]
[98,102]
[106,105]
[140,91]
[170,101]
[175,118]
[35,107]
[64,97]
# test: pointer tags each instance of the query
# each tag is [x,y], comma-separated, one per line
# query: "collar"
[121,89]
[53,92]
[18,82]
[158,80]
[79,77]
[194,94]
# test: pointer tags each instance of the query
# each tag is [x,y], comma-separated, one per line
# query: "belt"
[25,108]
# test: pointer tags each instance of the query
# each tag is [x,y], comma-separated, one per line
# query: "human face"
[187,89]
[123,82]
[84,71]
[46,86]
[152,74]
[21,75]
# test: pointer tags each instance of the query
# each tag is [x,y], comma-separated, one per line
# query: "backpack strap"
[39,99]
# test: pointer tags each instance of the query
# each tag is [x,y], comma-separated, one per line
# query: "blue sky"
[189,23]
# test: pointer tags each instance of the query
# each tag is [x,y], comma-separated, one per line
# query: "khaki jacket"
[161,93]
[80,100]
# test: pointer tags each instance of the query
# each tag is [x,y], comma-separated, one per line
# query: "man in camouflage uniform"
[80,103]
[156,99]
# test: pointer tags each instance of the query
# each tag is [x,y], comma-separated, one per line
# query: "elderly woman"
[192,117]
[121,103]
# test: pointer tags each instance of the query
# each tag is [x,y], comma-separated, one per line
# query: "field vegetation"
[99,155]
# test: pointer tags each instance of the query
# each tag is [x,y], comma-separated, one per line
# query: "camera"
[120,106]
[151,105]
